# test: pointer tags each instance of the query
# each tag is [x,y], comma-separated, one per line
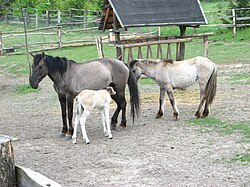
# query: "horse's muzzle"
[33,84]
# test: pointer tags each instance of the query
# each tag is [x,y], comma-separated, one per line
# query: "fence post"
[59,37]
[1,44]
[84,18]
[36,18]
[234,22]
[7,165]
[47,18]
[58,16]
[205,40]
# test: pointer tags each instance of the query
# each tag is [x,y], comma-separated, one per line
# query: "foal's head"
[110,90]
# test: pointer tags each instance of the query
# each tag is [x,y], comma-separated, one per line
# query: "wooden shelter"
[145,13]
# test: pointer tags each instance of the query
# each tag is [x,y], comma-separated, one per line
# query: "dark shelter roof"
[139,13]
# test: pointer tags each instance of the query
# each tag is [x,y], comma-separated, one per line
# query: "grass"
[25,89]
[228,128]
[242,78]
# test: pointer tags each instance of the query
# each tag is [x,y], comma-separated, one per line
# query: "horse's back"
[94,98]
[97,74]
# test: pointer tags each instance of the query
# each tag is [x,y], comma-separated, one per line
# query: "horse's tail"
[211,86]
[79,107]
[134,95]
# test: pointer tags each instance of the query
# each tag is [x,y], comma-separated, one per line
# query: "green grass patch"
[227,128]
[25,89]
[224,127]
[242,157]
[146,81]
[241,78]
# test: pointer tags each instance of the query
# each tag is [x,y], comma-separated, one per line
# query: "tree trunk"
[7,166]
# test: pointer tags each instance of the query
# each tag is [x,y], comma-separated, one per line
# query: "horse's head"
[39,69]
[134,66]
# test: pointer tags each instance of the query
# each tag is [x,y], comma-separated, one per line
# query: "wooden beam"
[117,36]
[106,18]
[173,41]
[181,54]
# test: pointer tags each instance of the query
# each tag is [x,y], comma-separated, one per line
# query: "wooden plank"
[130,55]
[173,41]
[169,56]
[139,56]
[159,51]
[149,52]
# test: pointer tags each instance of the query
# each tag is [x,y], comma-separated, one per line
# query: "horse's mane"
[57,64]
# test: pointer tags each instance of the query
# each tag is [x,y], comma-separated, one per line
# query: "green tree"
[237,4]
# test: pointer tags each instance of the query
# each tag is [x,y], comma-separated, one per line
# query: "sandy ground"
[150,152]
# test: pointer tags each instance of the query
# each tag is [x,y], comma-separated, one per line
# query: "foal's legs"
[173,103]
[77,120]
[161,102]
[83,118]
[105,122]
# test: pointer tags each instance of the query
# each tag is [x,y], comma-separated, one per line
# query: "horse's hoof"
[68,137]
[123,125]
[61,135]
[197,115]
[111,137]
[113,126]
[74,141]
[159,115]
[176,116]
[87,142]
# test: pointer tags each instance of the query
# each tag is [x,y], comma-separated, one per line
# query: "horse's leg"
[173,103]
[62,100]
[202,100]
[70,101]
[83,121]
[77,120]
[120,100]
[106,118]
[104,123]
[206,110]
[161,102]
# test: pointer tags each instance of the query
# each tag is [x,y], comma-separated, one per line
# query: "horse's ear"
[43,56]
[32,55]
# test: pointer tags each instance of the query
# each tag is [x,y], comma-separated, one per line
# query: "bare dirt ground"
[150,152]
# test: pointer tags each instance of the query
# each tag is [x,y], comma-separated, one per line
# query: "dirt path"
[152,152]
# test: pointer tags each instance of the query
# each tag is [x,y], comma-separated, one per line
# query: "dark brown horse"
[70,78]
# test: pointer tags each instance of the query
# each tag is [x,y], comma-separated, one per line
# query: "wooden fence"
[215,18]
[128,47]
[56,43]
[54,17]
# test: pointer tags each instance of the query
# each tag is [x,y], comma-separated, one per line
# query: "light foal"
[86,101]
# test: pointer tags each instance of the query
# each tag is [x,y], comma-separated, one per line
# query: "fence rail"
[61,22]
[215,18]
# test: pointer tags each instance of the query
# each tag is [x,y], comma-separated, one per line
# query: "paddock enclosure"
[150,152]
